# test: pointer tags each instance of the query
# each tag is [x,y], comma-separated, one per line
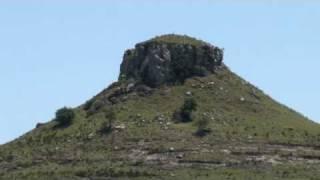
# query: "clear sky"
[61,53]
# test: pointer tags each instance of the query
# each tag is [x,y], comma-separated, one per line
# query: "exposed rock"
[143,90]
[130,87]
[180,156]
[120,127]
[91,135]
[189,93]
[39,125]
[226,151]
[155,64]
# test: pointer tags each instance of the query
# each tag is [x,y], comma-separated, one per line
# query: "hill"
[176,112]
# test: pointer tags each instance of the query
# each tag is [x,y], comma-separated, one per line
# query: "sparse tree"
[64,116]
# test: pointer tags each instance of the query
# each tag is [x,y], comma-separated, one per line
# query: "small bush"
[184,114]
[202,126]
[64,116]
[110,116]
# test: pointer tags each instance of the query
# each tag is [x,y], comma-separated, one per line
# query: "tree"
[64,116]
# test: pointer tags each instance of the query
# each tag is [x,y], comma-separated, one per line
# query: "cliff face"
[155,64]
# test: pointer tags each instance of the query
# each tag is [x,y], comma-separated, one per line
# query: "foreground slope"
[250,136]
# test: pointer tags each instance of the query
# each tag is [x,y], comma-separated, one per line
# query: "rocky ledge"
[169,59]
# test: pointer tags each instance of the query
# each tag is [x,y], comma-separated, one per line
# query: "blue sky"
[61,53]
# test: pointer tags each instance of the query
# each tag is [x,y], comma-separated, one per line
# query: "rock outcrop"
[169,59]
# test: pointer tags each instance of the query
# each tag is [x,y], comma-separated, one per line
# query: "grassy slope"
[177,39]
[80,151]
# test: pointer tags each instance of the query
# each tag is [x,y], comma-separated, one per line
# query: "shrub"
[95,106]
[202,126]
[110,116]
[64,116]
[184,114]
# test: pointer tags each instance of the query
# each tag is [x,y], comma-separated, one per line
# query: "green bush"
[184,114]
[202,126]
[110,117]
[64,116]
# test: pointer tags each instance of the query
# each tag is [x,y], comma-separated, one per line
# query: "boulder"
[189,93]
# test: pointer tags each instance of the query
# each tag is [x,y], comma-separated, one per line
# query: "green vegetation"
[202,125]
[245,134]
[184,114]
[177,39]
[77,152]
[64,116]
[110,117]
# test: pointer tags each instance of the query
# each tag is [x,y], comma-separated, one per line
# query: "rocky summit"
[176,112]
[169,61]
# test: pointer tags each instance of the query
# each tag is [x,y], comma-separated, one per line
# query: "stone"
[155,64]
[180,156]
[143,90]
[130,87]
[226,151]
[120,127]
[39,125]
[189,93]
[171,149]
[242,99]
[141,143]
[91,135]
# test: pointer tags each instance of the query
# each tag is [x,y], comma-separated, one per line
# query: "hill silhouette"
[176,112]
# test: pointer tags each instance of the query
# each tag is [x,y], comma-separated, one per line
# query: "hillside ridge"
[176,112]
